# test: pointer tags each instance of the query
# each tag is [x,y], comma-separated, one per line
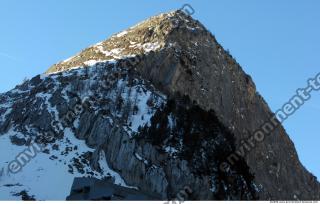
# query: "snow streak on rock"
[48,175]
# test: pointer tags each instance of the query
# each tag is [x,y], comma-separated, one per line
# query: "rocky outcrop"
[165,106]
[201,69]
[191,62]
[141,133]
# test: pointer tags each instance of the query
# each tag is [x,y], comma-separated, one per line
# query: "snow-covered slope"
[48,167]
[49,173]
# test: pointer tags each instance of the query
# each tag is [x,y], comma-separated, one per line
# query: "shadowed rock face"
[158,145]
[169,106]
[199,68]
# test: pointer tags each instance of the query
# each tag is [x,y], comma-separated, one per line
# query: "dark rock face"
[166,106]
[207,74]
[189,133]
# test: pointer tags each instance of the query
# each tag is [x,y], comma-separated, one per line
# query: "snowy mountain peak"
[158,109]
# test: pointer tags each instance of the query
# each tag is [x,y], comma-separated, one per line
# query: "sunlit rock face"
[157,109]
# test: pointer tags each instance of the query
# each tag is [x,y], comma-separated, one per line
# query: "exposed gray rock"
[193,103]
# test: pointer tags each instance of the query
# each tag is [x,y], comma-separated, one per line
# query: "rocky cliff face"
[161,107]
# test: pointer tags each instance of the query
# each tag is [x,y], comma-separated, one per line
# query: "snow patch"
[91,62]
[125,32]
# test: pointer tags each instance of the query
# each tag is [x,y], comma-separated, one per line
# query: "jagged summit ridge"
[149,35]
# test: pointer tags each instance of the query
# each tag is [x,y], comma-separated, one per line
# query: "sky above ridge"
[277,43]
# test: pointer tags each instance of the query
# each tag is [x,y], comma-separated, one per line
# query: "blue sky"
[277,43]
